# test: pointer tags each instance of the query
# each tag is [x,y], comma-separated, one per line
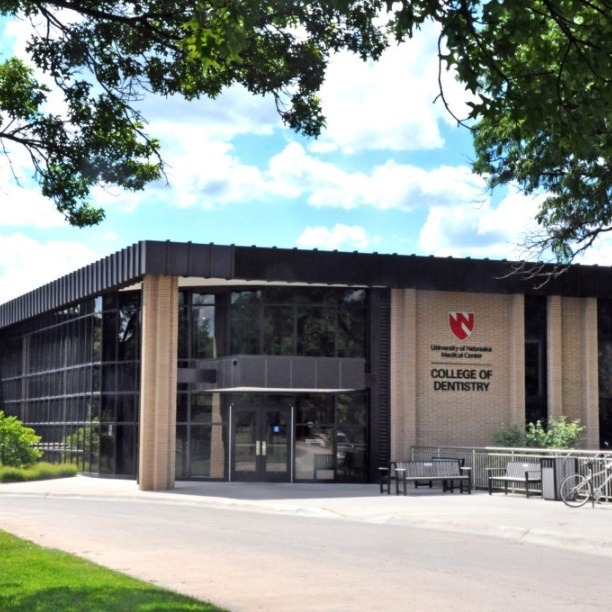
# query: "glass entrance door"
[261,444]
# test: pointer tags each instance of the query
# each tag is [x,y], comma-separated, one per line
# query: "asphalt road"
[249,561]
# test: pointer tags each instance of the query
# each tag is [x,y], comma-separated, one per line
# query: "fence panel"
[481,458]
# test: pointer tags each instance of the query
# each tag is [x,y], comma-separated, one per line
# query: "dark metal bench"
[517,472]
[419,472]
[445,485]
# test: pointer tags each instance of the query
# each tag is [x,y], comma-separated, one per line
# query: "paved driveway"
[318,547]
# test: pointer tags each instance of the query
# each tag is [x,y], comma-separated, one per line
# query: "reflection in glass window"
[314,452]
[127,340]
[309,321]
[278,328]
[536,396]
[314,409]
[351,408]
[196,332]
[182,400]
[351,332]
[181,452]
[60,362]
[331,437]
[316,332]
[604,343]
[203,332]
[127,409]
[200,451]
[245,323]
[202,299]
[201,408]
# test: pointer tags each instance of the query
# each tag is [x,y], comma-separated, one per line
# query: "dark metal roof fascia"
[189,259]
[112,272]
[121,269]
[418,272]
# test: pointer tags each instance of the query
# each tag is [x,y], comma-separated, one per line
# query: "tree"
[17,443]
[544,116]
[540,71]
[102,56]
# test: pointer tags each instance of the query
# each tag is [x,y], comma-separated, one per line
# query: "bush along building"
[169,361]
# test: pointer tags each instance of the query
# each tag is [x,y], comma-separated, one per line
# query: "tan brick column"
[590,375]
[217,446]
[554,365]
[158,383]
[403,372]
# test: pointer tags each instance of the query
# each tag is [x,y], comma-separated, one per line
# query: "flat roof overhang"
[219,265]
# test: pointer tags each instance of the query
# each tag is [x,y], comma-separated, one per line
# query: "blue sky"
[389,174]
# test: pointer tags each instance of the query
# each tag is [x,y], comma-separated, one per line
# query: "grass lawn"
[33,578]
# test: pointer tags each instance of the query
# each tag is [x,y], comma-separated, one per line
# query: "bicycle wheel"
[576,490]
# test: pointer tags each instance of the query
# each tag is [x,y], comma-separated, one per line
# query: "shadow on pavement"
[289,491]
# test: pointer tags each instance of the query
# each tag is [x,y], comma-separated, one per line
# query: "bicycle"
[576,490]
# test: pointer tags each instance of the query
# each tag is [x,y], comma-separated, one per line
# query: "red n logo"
[461,324]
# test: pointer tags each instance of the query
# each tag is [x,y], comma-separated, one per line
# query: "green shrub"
[38,471]
[12,474]
[509,435]
[557,433]
[17,443]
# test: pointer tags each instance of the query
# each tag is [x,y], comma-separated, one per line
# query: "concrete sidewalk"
[513,517]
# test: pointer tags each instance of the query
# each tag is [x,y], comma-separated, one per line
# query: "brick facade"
[452,391]
[579,381]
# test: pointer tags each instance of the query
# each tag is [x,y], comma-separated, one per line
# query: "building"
[173,361]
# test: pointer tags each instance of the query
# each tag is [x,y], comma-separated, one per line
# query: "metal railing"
[481,458]
[58,452]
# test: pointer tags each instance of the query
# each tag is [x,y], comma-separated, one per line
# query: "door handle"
[263,448]
[257,448]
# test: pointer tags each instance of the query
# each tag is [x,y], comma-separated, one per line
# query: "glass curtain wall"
[51,379]
[201,421]
[536,393]
[311,322]
[120,383]
[331,437]
[604,344]
[72,375]
[273,321]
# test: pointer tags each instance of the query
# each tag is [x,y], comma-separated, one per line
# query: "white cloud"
[26,207]
[235,112]
[26,263]
[205,172]
[390,104]
[21,202]
[480,230]
[407,187]
[194,143]
[339,237]
[295,173]
[600,253]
